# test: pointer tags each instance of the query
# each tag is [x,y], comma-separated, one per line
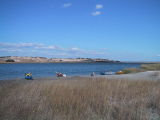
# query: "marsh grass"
[80,99]
[150,66]
[132,70]
[143,68]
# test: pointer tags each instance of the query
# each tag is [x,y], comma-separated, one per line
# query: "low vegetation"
[132,70]
[143,67]
[150,66]
[10,60]
[80,99]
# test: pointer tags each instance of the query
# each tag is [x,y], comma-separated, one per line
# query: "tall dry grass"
[80,99]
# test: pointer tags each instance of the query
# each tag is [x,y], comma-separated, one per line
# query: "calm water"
[11,71]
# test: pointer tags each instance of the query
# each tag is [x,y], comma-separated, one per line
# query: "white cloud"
[10,50]
[19,45]
[99,6]
[66,5]
[44,50]
[158,55]
[75,49]
[29,45]
[51,47]
[96,13]
[24,45]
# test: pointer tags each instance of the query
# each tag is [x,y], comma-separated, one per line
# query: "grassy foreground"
[80,99]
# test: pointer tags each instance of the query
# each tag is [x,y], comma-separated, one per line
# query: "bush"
[131,70]
[10,60]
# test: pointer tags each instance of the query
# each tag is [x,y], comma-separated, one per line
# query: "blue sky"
[127,30]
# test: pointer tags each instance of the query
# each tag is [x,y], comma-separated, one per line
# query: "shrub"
[131,70]
[10,60]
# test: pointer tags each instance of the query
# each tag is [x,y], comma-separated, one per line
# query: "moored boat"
[107,73]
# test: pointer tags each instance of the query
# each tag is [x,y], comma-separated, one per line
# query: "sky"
[126,30]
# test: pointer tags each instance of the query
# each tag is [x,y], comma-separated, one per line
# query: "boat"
[58,74]
[107,73]
[28,76]
[120,72]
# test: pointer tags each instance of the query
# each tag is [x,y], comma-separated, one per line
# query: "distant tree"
[5,56]
[10,60]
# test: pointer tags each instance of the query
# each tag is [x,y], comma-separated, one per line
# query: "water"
[12,71]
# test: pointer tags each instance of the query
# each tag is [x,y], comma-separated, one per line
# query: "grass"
[150,66]
[143,67]
[80,99]
[132,70]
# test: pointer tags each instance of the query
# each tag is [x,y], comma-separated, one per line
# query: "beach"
[148,75]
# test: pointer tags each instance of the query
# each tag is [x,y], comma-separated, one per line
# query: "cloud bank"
[38,49]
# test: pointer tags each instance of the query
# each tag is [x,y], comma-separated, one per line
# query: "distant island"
[17,59]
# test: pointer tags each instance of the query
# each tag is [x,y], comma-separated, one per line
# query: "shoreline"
[79,62]
[54,62]
[147,75]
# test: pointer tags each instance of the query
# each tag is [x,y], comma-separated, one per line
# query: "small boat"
[107,73]
[58,74]
[28,76]
[120,72]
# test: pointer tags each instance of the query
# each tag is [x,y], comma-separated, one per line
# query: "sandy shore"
[148,75]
